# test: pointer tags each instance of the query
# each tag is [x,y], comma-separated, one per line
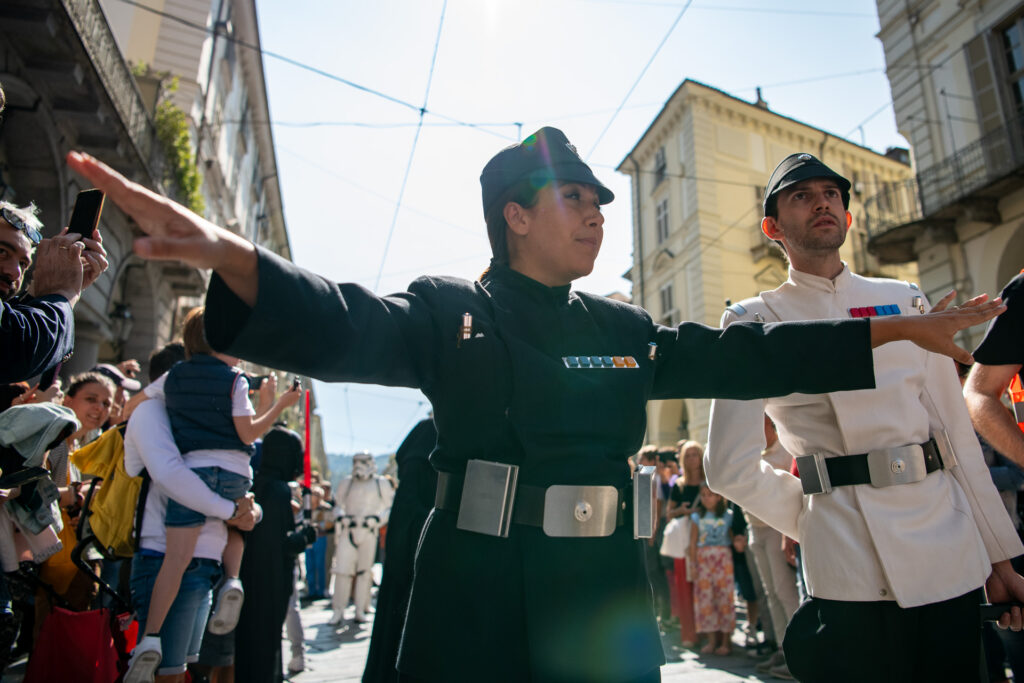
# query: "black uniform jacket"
[528,607]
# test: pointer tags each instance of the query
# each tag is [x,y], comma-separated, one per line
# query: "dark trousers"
[832,641]
[659,582]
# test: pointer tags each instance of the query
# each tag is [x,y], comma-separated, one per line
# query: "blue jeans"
[222,482]
[182,632]
[316,568]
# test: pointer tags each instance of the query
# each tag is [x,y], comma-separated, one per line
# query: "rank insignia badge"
[873,311]
[588,362]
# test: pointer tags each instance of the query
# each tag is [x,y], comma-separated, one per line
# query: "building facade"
[69,87]
[698,175]
[211,50]
[956,71]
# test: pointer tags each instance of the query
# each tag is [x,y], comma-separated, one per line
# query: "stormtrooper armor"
[363,504]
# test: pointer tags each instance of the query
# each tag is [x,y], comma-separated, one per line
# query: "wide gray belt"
[882,467]
[488,498]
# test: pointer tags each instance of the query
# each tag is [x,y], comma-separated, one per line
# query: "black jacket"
[526,607]
[35,335]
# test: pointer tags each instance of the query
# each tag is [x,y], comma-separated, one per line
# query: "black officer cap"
[798,167]
[542,157]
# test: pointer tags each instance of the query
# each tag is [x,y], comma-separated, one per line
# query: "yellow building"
[956,71]
[698,176]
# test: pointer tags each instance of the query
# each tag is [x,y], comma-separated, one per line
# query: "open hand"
[173,233]
[935,330]
[941,323]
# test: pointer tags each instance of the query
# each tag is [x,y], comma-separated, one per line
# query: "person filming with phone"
[37,328]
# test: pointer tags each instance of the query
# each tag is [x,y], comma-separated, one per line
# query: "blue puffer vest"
[198,398]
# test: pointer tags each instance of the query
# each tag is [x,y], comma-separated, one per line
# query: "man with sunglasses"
[37,330]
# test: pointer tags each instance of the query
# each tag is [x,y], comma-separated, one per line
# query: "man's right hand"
[58,267]
[245,515]
[173,232]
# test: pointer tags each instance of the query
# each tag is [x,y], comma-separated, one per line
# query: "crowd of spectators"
[51,427]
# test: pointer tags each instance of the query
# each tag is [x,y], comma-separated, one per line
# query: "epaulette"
[737,309]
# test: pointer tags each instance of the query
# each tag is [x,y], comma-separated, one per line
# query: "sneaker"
[225,614]
[297,664]
[144,661]
[781,672]
[777,659]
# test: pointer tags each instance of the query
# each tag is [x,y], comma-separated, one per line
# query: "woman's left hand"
[934,331]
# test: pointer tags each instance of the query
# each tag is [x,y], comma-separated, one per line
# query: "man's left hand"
[1006,585]
[94,259]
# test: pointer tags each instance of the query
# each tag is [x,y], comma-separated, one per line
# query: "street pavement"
[339,653]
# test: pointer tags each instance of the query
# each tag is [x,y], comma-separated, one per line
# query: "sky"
[372,197]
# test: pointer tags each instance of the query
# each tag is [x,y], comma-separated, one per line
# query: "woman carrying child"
[214,426]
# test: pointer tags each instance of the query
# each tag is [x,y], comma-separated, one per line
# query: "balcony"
[970,183]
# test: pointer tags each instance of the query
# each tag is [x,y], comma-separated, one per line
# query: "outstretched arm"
[251,427]
[173,232]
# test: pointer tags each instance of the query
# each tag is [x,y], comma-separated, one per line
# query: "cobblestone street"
[339,655]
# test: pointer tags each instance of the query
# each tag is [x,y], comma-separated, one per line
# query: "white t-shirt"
[232,461]
[149,444]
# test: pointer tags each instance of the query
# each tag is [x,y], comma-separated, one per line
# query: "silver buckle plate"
[644,502]
[897,465]
[580,511]
[488,491]
[814,474]
[946,452]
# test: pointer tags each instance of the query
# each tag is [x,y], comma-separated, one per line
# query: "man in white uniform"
[898,520]
[363,504]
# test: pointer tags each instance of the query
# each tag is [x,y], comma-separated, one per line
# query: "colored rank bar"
[872,311]
[576,362]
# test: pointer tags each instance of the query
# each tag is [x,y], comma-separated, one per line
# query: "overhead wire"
[412,151]
[307,67]
[643,71]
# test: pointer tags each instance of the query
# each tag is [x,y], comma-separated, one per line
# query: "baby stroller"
[93,645]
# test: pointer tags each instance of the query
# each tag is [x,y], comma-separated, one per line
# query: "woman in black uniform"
[527,568]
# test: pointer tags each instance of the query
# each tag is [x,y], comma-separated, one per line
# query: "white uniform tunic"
[914,543]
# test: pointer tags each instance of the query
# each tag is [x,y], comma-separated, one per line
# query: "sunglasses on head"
[19,223]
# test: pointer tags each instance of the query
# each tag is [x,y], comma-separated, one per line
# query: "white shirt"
[916,543]
[149,445]
[232,461]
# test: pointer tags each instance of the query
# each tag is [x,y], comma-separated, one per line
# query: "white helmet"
[363,465]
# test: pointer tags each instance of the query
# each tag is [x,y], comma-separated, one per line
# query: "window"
[661,220]
[1013,58]
[668,308]
[660,166]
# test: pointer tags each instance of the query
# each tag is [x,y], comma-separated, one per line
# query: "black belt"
[529,501]
[851,470]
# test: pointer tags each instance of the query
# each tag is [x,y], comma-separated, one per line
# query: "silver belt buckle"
[897,465]
[645,501]
[580,511]
[813,474]
[488,491]
[946,452]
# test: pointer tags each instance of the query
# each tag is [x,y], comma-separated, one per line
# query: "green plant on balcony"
[172,132]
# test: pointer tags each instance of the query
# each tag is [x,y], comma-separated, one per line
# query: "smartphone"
[86,214]
[295,384]
[255,382]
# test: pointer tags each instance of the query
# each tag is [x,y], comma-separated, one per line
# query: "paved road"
[339,655]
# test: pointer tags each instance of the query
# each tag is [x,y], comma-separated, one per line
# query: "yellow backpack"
[113,508]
